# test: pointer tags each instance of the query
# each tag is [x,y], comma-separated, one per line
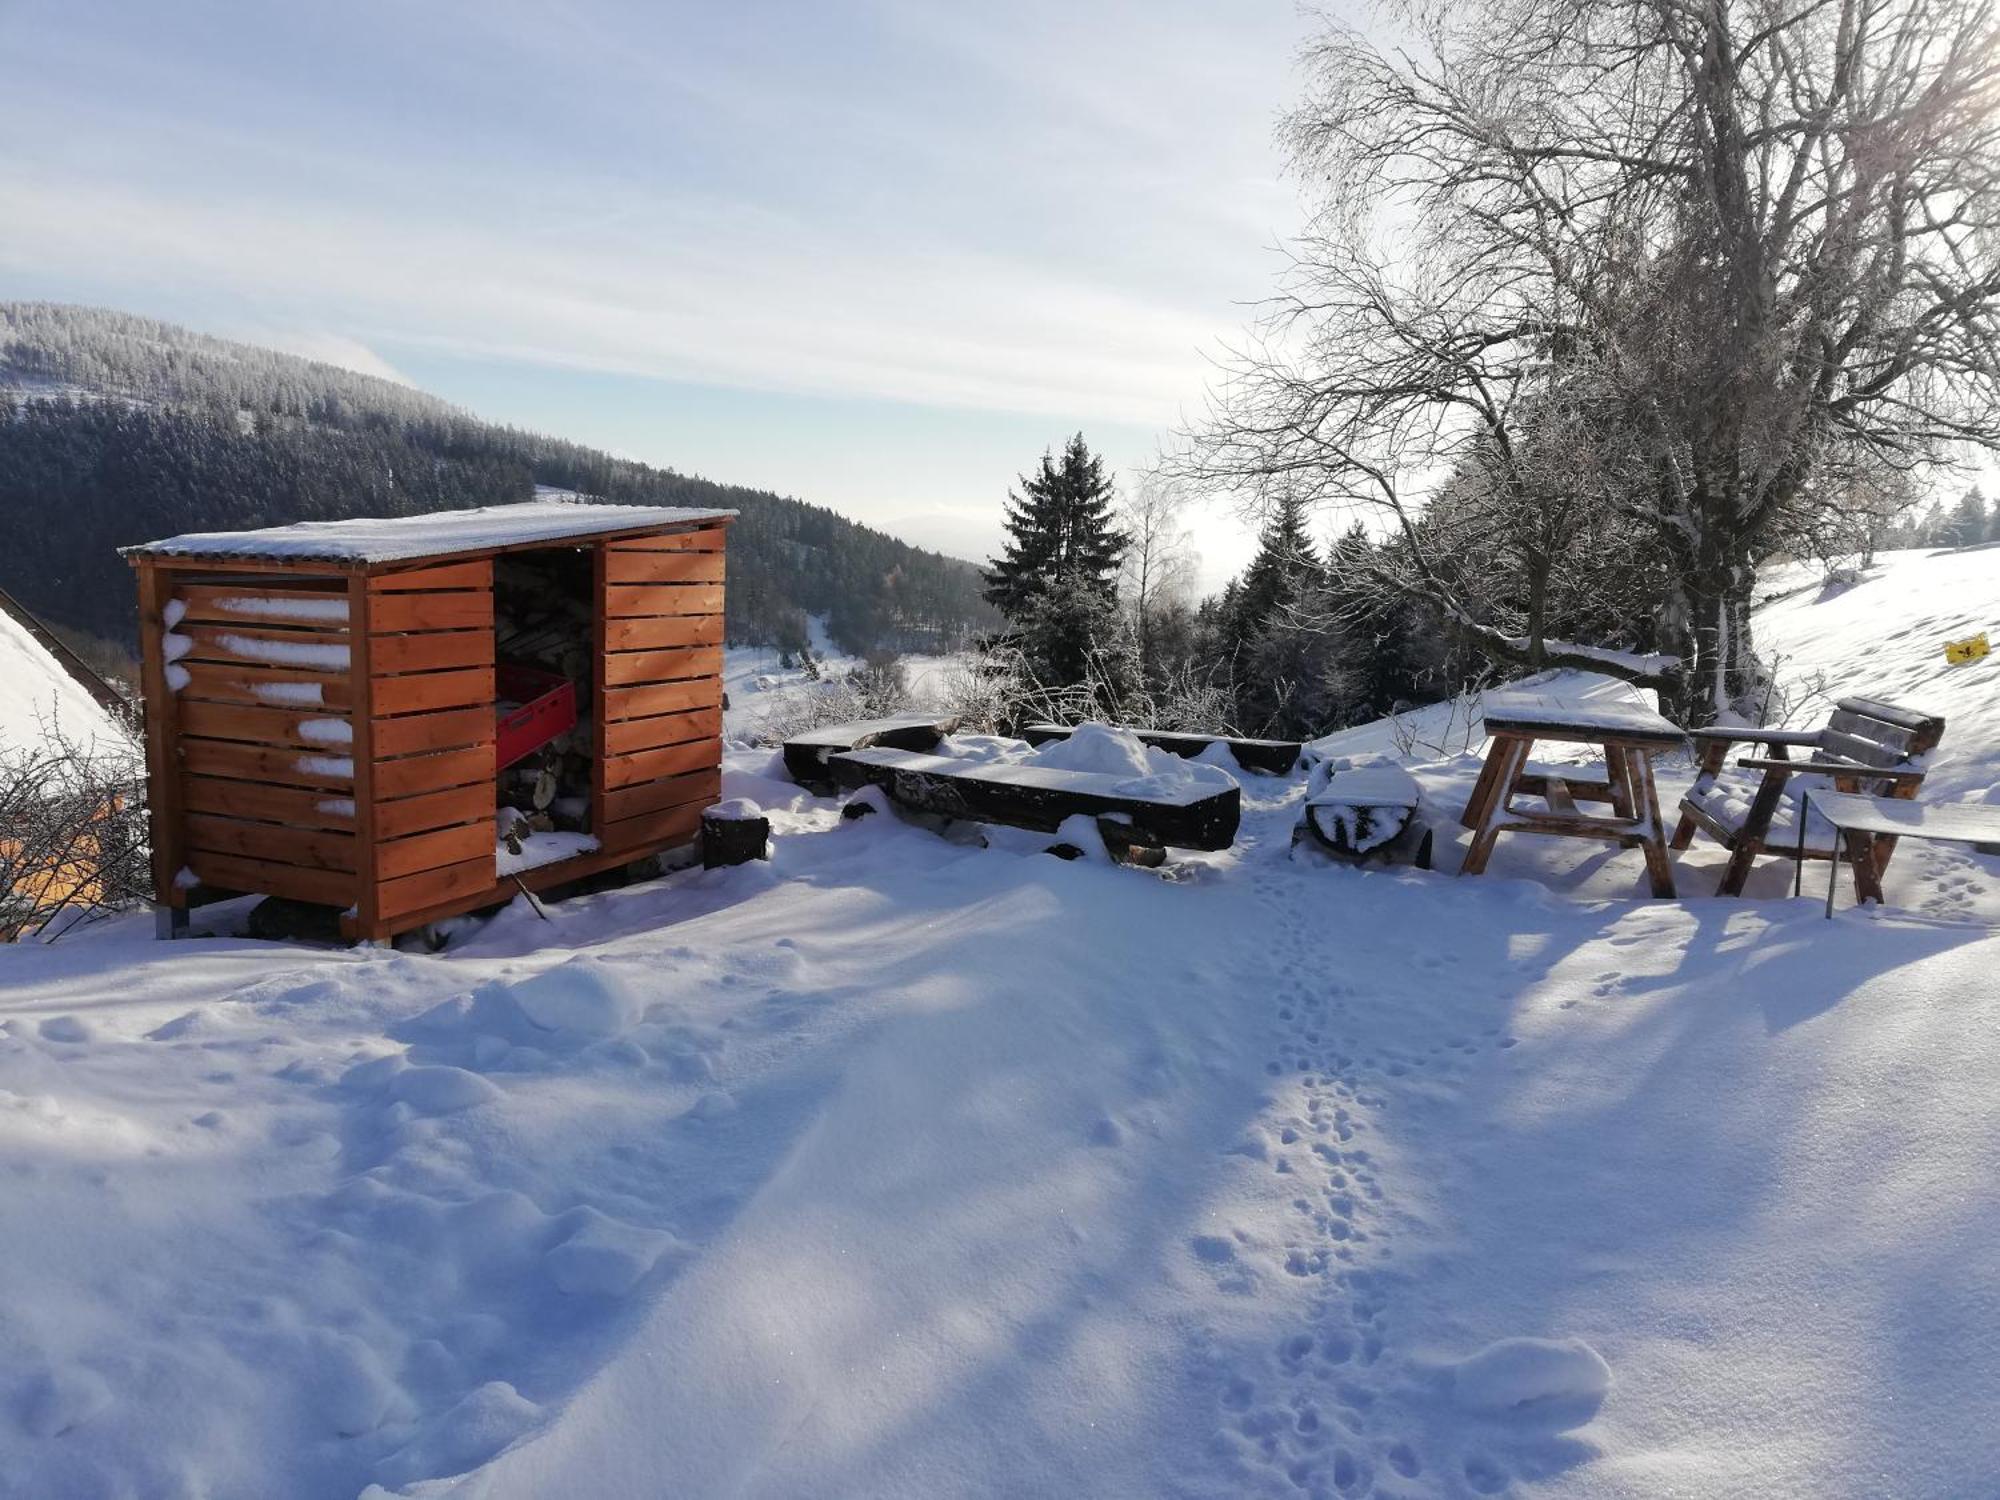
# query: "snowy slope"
[1884,637]
[37,695]
[906,1167]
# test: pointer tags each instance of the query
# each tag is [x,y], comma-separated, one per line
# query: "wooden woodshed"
[339,712]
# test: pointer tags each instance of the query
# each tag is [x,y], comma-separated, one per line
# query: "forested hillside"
[117,429]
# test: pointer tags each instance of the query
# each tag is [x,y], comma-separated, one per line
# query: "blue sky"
[875,254]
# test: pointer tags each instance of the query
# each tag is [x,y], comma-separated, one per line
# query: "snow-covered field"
[904,1167]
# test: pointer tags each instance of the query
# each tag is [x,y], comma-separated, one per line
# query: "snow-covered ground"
[765,695]
[904,1167]
[39,699]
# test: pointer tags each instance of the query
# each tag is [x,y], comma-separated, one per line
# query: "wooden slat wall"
[258,730]
[659,712]
[431,728]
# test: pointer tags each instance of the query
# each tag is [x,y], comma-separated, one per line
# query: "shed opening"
[545,682]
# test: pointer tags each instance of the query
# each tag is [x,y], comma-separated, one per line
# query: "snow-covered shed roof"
[373,539]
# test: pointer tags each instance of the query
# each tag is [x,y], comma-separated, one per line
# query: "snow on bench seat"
[1179,813]
[1274,756]
[1361,809]
[806,752]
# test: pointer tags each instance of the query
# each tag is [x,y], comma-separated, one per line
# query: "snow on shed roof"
[375,539]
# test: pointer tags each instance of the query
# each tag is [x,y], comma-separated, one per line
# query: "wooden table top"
[1604,721]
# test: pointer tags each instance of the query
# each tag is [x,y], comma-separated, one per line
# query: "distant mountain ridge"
[116,428]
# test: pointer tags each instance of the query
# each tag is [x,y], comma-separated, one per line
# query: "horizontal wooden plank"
[663,632]
[435,887]
[307,729]
[269,687]
[302,768]
[624,668]
[649,765]
[312,849]
[429,651]
[406,815]
[663,729]
[230,872]
[707,539]
[428,851]
[629,600]
[664,567]
[662,698]
[418,734]
[431,610]
[419,692]
[476,574]
[313,604]
[702,787]
[324,651]
[659,830]
[296,806]
[411,774]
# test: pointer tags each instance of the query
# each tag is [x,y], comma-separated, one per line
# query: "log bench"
[806,754]
[1275,757]
[1041,797]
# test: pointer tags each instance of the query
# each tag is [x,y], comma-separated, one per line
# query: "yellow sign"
[1958,653]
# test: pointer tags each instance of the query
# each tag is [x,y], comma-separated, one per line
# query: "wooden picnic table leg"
[1624,795]
[1713,753]
[1509,754]
[1659,868]
[1483,788]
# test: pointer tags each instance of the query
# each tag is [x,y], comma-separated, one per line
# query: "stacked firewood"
[542,618]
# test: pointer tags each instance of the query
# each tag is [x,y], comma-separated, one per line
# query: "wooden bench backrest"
[1868,732]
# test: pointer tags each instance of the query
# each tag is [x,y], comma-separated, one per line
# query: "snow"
[318,655]
[367,539]
[896,1166]
[326,731]
[1630,714]
[538,849]
[290,606]
[1511,1375]
[300,694]
[327,765]
[38,696]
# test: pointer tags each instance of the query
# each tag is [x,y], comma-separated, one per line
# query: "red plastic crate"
[547,708]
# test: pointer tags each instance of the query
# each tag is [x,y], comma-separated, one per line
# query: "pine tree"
[1968,522]
[1060,533]
[1285,568]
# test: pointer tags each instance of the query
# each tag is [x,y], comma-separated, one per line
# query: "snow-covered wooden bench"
[1869,747]
[1188,816]
[806,754]
[1868,826]
[1366,812]
[1277,757]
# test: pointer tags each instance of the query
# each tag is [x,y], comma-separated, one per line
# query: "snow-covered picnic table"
[1629,732]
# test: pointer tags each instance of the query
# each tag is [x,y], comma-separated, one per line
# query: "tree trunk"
[1709,629]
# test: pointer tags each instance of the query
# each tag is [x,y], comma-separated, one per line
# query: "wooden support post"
[163,800]
[1639,773]
[1509,754]
[367,919]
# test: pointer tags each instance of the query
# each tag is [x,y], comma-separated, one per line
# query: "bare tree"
[1672,257]
[1158,567]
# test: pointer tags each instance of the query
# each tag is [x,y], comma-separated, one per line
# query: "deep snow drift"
[907,1167]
